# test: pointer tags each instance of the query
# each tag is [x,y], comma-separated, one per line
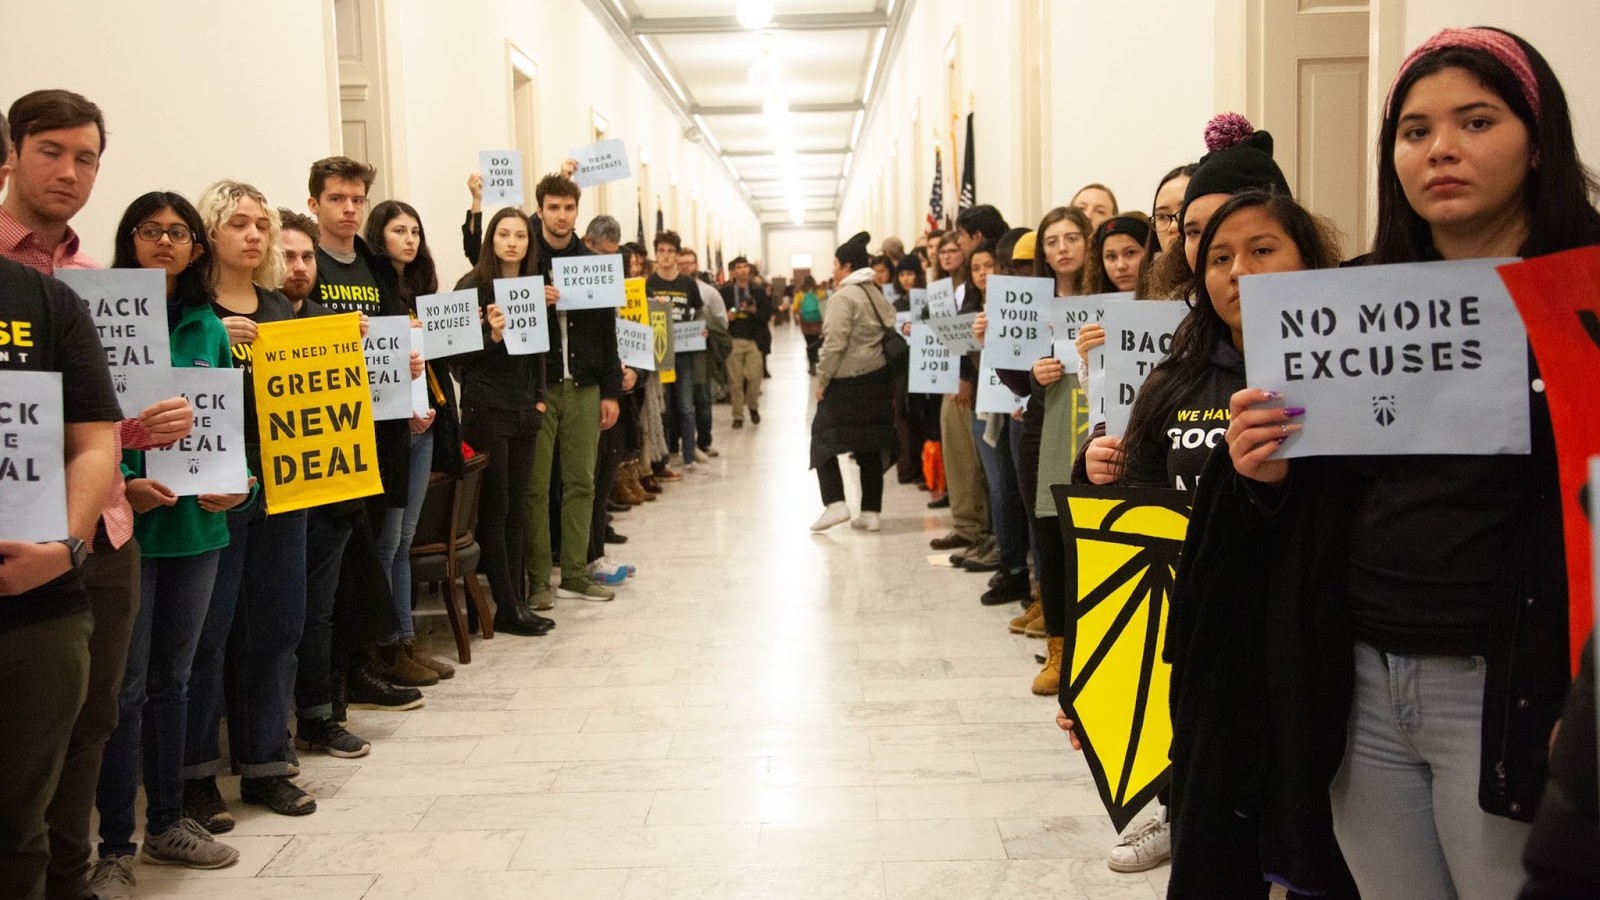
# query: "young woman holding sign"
[1416,607]
[180,539]
[258,606]
[502,396]
[1117,254]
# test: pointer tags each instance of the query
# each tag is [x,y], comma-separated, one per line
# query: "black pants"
[508,437]
[605,474]
[831,480]
[1050,557]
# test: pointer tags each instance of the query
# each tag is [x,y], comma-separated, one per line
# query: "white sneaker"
[700,456]
[112,878]
[835,514]
[867,521]
[1145,847]
[608,573]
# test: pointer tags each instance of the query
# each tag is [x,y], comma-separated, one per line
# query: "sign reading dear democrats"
[1405,359]
[601,162]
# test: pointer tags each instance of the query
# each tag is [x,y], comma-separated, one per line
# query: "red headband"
[1497,44]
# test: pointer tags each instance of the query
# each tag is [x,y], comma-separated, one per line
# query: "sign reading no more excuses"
[588,282]
[129,308]
[502,177]
[636,345]
[33,480]
[522,300]
[450,323]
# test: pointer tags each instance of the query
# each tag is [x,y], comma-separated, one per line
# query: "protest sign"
[1072,313]
[211,459]
[1403,359]
[636,345]
[502,177]
[636,303]
[129,307]
[934,369]
[689,337]
[522,300]
[955,332]
[917,300]
[315,413]
[419,386]
[588,282]
[33,478]
[602,162]
[993,395]
[901,320]
[942,299]
[661,341]
[1019,321]
[450,323]
[1138,335]
[387,347]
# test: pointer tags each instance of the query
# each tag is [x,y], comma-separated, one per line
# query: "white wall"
[784,243]
[191,93]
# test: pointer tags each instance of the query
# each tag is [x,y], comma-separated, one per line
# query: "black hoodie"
[1194,425]
[592,357]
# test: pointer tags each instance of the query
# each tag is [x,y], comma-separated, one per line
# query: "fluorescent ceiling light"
[755,14]
[855,130]
[661,66]
[872,63]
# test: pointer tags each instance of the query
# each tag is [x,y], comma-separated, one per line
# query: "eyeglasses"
[1164,221]
[152,233]
[1072,237]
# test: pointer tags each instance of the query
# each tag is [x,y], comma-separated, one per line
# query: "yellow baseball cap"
[1024,247]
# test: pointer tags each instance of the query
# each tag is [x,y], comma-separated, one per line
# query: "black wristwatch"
[77,549]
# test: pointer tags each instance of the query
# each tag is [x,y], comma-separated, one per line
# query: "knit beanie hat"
[1131,226]
[908,263]
[853,252]
[1240,159]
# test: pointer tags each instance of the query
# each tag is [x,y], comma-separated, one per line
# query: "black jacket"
[493,378]
[592,333]
[747,325]
[1563,853]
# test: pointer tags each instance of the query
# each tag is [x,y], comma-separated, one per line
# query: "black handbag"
[896,351]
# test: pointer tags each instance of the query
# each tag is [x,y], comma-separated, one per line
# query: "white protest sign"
[450,323]
[211,459]
[636,345]
[419,386]
[955,332]
[522,300]
[993,395]
[689,337]
[942,299]
[1018,310]
[502,177]
[1138,335]
[388,350]
[901,320]
[917,300]
[934,369]
[1404,359]
[588,282]
[33,479]
[129,307]
[1095,388]
[1072,313]
[602,162]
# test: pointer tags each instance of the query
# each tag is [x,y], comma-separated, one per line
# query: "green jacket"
[198,341]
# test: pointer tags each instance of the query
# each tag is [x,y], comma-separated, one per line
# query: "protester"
[749,312]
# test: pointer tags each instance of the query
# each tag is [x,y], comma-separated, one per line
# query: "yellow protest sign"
[315,413]
[637,307]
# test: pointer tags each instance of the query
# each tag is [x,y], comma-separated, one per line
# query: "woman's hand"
[980,327]
[497,323]
[420,424]
[1255,434]
[1048,370]
[966,394]
[1067,725]
[1090,337]
[214,503]
[630,378]
[363,323]
[1104,460]
[241,329]
[145,494]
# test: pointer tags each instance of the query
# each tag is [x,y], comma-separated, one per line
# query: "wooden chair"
[444,549]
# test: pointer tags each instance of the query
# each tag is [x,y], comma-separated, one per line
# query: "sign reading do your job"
[315,413]
[502,177]
[1405,359]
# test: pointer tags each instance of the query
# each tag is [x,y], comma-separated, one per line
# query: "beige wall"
[784,243]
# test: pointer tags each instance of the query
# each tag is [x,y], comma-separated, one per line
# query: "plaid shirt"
[20,245]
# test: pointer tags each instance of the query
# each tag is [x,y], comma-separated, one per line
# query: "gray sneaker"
[542,600]
[584,589]
[112,878]
[187,844]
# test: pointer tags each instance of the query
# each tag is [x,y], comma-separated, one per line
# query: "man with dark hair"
[710,365]
[750,308]
[582,399]
[604,237]
[979,224]
[58,137]
[667,284]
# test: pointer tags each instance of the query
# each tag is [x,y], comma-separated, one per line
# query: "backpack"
[810,309]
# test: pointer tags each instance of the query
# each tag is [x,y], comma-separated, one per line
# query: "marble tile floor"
[762,713]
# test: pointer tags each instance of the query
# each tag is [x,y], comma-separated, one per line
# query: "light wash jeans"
[1405,801]
[399,526]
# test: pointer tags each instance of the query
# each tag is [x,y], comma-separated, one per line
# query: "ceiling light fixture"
[755,14]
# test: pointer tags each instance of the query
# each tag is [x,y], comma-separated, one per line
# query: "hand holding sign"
[33,501]
[601,163]
[450,323]
[522,312]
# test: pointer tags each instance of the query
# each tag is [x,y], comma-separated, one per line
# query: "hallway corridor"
[762,713]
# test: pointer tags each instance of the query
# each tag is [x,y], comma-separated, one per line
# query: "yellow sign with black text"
[637,307]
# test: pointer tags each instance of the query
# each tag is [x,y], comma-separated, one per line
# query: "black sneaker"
[755,414]
[1011,588]
[277,793]
[612,537]
[203,803]
[368,690]
[331,738]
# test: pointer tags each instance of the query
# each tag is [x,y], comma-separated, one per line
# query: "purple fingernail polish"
[1292,411]
[1273,395]
[1282,439]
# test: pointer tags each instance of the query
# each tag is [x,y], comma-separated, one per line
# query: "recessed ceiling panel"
[665,9]
[811,66]
[807,131]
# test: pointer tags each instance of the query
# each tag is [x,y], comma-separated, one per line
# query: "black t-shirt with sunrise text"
[682,292]
[45,327]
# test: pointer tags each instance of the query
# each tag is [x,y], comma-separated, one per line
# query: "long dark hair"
[1041,266]
[193,286]
[487,268]
[1559,191]
[1095,279]
[1202,329]
[973,299]
[420,276]
[1152,244]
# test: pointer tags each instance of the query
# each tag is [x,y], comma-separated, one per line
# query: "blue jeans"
[175,593]
[400,525]
[1405,800]
[683,408]
[1008,514]
[310,670]
[255,622]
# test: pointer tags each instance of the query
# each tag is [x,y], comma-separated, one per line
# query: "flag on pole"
[936,195]
[638,198]
[661,220]
[969,178]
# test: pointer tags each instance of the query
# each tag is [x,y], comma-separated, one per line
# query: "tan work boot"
[1048,681]
[403,670]
[1036,629]
[427,661]
[1035,611]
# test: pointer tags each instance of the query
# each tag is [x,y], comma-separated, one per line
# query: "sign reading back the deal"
[1138,335]
[942,299]
[589,282]
[502,177]
[635,345]
[1018,310]
[450,323]
[1404,359]
[934,369]
[955,332]
[602,162]
[33,478]
[522,300]
[314,411]
[211,459]
[917,302]
[129,307]
[388,350]
[993,395]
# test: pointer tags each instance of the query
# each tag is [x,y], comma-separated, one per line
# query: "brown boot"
[1036,629]
[1020,623]
[636,490]
[1048,681]
[403,670]
[439,666]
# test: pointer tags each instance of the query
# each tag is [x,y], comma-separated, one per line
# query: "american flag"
[936,196]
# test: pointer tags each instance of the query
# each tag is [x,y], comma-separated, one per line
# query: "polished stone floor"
[762,713]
